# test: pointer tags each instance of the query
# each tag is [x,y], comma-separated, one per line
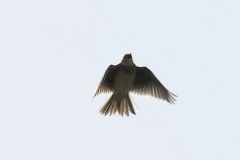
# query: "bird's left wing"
[106,84]
[147,84]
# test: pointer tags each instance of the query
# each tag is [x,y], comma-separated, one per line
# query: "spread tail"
[124,106]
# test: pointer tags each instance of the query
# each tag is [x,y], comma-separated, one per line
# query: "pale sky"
[54,53]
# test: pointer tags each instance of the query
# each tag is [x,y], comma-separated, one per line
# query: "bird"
[125,78]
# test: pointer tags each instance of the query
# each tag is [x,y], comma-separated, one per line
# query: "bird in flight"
[127,77]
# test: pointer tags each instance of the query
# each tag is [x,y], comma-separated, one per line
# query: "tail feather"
[122,107]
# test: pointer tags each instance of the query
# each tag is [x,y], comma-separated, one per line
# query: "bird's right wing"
[106,84]
[147,84]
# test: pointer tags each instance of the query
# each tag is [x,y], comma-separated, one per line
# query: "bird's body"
[122,84]
[127,77]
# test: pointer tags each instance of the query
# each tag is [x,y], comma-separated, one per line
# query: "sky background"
[54,53]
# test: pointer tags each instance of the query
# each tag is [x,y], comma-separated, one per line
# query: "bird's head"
[127,60]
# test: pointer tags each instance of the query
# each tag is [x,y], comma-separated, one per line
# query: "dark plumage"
[127,77]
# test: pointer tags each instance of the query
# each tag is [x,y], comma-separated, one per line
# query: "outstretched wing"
[147,84]
[106,84]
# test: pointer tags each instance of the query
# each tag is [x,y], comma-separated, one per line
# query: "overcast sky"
[54,53]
